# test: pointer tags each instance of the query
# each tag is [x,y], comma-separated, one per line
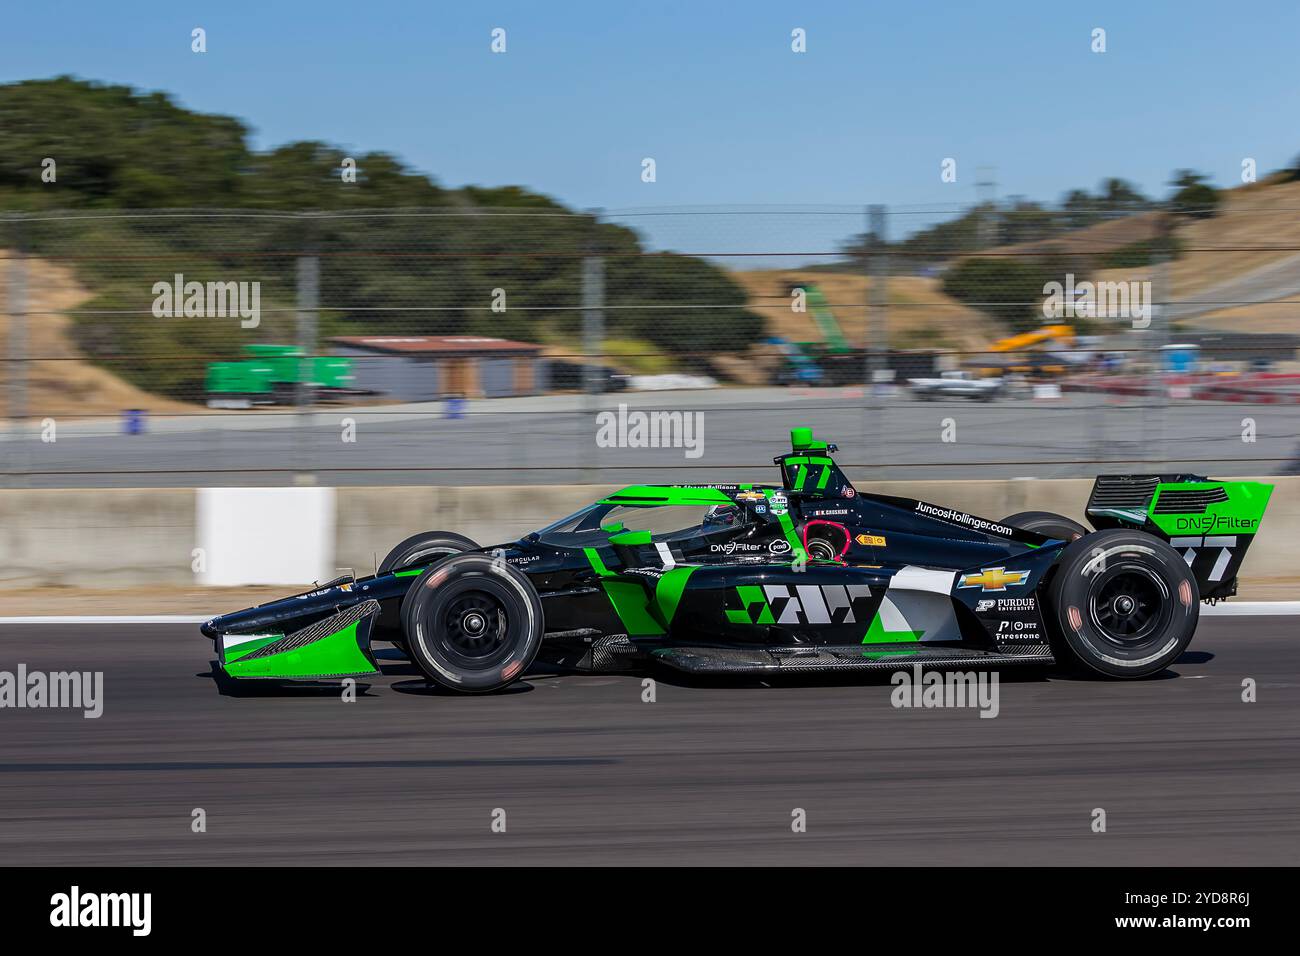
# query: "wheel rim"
[475,628]
[1129,605]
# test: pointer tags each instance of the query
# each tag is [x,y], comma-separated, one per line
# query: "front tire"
[424,548]
[1124,603]
[472,624]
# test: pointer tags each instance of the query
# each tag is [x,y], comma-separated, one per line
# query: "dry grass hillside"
[920,316]
[1217,250]
[1280,315]
[1257,228]
[1260,215]
[1103,237]
[1255,225]
[60,381]
[1256,232]
[1228,247]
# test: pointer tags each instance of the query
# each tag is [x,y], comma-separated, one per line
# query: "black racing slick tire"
[1124,603]
[472,623]
[424,548]
[1045,522]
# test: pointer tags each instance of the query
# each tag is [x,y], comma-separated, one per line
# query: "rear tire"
[473,624]
[1123,603]
[1045,522]
[423,548]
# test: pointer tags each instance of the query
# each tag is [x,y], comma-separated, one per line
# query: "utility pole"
[308,301]
[593,341]
[986,191]
[1158,335]
[17,309]
[876,345]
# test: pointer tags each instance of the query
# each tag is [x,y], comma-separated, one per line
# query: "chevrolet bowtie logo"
[992,579]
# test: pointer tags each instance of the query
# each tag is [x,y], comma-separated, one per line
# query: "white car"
[956,385]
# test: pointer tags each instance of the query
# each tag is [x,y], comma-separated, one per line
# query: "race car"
[807,575]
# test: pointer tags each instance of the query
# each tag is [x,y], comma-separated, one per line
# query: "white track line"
[1226,609]
[1252,609]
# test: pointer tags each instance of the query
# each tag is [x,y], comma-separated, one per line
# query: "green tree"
[1118,195]
[1008,289]
[400,254]
[1193,195]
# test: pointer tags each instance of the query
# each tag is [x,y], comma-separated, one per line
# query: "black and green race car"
[807,575]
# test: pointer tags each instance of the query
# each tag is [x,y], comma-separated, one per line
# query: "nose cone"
[269,615]
[287,614]
[238,620]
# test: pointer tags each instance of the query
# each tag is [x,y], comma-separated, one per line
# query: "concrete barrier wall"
[129,537]
[372,520]
[96,538]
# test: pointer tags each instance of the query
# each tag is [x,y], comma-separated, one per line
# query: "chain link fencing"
[504,345]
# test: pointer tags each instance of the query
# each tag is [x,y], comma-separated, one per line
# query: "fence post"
[876,345]
[593,340]
[308,293]
[16,306]
[1160,300]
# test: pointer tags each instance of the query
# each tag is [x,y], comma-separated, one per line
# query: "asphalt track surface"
[707,774]
[552,440]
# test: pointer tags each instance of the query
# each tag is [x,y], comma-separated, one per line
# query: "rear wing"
[1212,523]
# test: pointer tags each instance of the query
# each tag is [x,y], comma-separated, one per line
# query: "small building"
[422,368]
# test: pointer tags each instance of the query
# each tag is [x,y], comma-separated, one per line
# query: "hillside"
[64,383]
[1097,239]
[1218,249]
[1244,264]
[1236,271]
[920,316]
[400,254]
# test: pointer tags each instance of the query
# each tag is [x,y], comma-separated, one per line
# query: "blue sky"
[712,91]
